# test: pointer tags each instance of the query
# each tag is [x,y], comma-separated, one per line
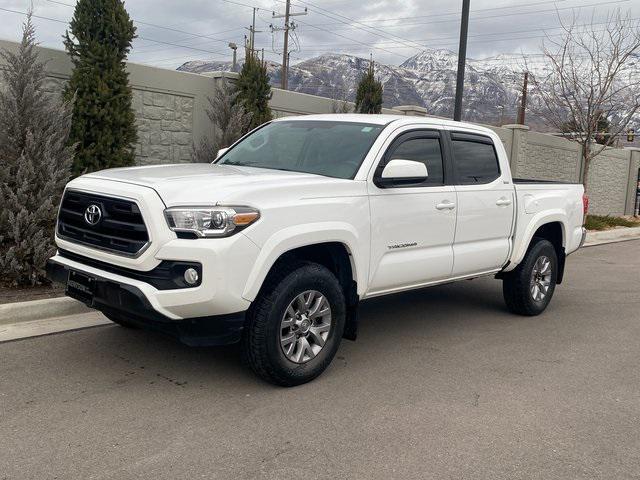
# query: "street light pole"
[462,58]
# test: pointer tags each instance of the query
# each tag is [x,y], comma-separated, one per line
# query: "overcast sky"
[172,32]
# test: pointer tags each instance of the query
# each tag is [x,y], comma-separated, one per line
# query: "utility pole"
[234,47]
[285,53]
[523,99]
[501,108]
[462,59]
[250,44]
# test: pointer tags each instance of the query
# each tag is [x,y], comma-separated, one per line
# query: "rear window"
[475,159]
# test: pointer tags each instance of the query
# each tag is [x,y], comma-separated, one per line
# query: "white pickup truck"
[274,244]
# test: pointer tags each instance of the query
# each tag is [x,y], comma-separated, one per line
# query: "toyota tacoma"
[276,242]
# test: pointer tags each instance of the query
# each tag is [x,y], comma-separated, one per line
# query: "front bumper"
[117,298]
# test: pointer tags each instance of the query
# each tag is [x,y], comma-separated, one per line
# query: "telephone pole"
[523,99]
[251,42]
[285,53]
[462,59]
[234,47]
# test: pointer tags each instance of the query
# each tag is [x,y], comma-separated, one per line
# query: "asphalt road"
[442,383]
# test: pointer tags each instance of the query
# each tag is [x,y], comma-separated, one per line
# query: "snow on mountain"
[427,79]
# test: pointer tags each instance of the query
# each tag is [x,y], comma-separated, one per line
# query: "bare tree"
[340,103]
[230,121]
[588,80]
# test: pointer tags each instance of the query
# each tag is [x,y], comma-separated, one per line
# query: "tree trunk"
[586,162]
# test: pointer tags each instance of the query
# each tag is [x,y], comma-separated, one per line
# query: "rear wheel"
[528,289]
[295,325]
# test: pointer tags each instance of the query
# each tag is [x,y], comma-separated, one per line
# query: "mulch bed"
[25,294]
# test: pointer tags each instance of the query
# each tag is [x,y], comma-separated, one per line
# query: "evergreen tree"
[103,121]
[230,121]
[369,94]
[254,91]
[35,163]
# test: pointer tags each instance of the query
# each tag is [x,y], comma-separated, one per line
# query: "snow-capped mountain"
[427,79]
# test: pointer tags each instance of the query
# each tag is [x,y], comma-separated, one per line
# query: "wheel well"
[332,255]
[336,257]
[553,233]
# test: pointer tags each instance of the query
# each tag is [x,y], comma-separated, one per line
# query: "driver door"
[412,226]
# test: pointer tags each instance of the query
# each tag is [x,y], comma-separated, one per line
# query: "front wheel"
[295,325]
[528,289]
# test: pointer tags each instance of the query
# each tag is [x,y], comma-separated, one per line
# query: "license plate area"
[81,286]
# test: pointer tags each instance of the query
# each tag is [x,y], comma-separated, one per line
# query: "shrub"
[254,91]
[103,119]
[605,222]
[369,93]
[36,163]
[230,120]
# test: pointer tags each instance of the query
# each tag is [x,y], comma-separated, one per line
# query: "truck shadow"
[426,313]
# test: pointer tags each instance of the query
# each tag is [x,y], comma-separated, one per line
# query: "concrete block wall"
[608,182]
[549,158]
[634,182]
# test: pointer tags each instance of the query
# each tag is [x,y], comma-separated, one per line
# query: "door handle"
[446,205]
[503,202]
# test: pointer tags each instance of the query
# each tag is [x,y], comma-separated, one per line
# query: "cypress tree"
[103,120]
[35,163]
[254,91]
[369,94]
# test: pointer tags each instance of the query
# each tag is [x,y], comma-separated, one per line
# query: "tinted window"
[423,150]
[334,149]
[475,162]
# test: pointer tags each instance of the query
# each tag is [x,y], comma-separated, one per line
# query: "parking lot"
[442,383]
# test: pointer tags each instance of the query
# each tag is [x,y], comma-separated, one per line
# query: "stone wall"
[549,158]
[165,127]
[608,180]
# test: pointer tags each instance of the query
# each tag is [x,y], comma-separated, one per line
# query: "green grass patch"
[605,222]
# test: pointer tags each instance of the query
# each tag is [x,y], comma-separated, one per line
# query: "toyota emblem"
[92,214]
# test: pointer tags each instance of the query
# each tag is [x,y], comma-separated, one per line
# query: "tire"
[120,320]
[519,286]
[270,343]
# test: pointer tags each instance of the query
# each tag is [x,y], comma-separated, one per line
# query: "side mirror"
[221,152]
[402,172]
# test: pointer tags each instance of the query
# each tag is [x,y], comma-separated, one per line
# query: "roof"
[387,119]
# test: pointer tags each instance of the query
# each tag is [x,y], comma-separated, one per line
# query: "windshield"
[333,149]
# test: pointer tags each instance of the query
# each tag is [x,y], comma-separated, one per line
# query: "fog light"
[191,276]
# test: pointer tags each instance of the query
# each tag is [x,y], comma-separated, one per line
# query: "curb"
[612,236]
[51,326]
[40,309]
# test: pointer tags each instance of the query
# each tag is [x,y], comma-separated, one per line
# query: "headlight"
[210,221]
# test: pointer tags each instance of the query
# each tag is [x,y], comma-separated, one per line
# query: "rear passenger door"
[412,226]
[485,205]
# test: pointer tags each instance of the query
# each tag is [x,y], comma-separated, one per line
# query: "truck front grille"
[116,225]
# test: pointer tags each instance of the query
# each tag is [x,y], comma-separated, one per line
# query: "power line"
[386,34]
[512,32]
[154,25]
[142,38]
[507,14]
[393,19]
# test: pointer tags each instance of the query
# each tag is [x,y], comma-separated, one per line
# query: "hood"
[206,184]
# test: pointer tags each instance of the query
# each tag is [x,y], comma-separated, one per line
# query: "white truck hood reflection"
[206,184]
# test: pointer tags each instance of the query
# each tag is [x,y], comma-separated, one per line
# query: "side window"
[424,150]
[475,161]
